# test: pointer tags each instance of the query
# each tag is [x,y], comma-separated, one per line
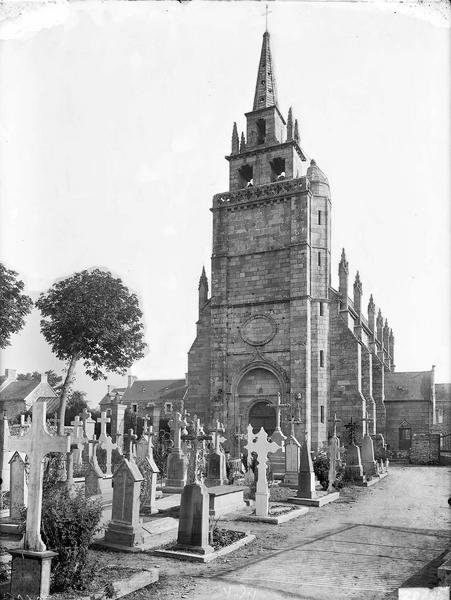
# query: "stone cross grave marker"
[259,444]
[36,444]
[130,445]
[76,448]
[176,461]
[149,471]
[88,429]
[197,456]
[103,420]
[216,462]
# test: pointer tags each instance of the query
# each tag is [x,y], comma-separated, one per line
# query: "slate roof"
[19,390]
[148,390]
[109,397]
[408,386]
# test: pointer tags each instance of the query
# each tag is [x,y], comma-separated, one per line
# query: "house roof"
[147,390]
[408,386]
[19,390]
[109,396]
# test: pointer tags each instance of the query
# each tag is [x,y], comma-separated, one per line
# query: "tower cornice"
[265,149]
[268,191]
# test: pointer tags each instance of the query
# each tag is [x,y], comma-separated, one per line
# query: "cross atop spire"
[265,89]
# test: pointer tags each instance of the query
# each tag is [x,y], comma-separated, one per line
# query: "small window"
[246,173]
[440,415]
[134,408]
[319,217]
[319,259]
[322,413]
[321,309]
[321,358]
[168,407]
[261,131]
[108,412]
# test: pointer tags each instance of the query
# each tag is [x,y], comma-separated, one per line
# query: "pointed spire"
[296,131]
[372,316]
[371,305]
[357,294]
[203,290]
[242,143]
[290,125]
[343,266]
[265,89]
[235,140]
[343,270]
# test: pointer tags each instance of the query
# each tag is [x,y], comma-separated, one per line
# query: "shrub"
[69,524]
[321,468]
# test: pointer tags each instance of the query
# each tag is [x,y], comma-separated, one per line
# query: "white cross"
[103,420]
[278,407]
[259,444]
[36,443]
[177,423]
[219,439]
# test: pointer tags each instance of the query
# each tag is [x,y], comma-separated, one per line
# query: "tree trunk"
[65,392]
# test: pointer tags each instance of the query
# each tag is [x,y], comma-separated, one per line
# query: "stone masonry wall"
[425,449]
[415,413]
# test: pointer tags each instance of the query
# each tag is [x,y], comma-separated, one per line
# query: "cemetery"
[192,512]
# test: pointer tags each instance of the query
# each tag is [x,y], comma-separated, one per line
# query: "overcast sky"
[115,119]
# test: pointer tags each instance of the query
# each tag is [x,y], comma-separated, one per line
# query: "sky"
[115,119]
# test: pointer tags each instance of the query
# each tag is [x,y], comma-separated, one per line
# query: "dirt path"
[366,545]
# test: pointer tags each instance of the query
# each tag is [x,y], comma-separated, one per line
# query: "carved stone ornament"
[258,330]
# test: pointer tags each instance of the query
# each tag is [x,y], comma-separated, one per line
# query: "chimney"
[11,374]
[108,389]
[131,380]
[44,378]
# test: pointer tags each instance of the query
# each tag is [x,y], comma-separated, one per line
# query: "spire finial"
[242,143]
[265,89]
[296,131]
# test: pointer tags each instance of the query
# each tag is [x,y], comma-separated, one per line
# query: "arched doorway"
[262,414]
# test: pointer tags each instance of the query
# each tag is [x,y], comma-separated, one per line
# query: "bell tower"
[263,336]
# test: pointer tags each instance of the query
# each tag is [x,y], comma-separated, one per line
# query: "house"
[18,396]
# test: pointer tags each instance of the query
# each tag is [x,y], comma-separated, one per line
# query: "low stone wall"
[425,449]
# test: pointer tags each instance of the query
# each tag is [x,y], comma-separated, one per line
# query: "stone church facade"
[273,327]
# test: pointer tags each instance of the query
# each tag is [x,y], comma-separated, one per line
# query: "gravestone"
[177,463]
[259,444]
[306,476]
[30,570]
[93,474]
[292,458]
[277,459]
[149,471]
[78,440]
[334,455]
[354,469]
[124,530]
[194,520]
[106,443]
[18,486]
[5,454]
[368,461]
[380,448]
[216,460]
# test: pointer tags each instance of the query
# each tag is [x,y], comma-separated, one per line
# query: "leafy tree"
[91,316]
[53,379]
[14,305]
[75,404]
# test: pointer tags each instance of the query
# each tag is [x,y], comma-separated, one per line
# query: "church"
[275,341]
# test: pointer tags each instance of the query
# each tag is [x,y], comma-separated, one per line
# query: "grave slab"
[204,558]
[155,532]
[370,482]
[316,502]
[225,499]
[274,520]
